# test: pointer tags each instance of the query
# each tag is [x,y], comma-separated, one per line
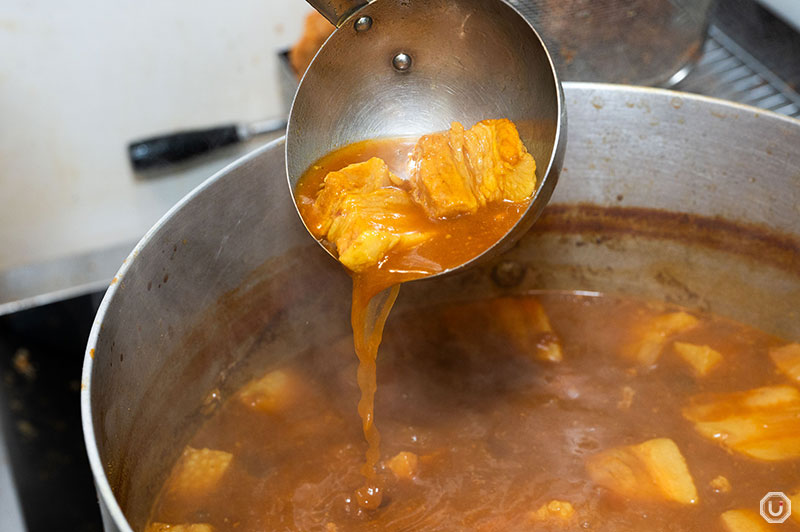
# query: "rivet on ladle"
[363,23]
[401,62]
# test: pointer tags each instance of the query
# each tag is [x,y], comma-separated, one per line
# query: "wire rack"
[725,70]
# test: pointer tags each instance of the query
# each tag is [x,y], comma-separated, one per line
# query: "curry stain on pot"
[755,242]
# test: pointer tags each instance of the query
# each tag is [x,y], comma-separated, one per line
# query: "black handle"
[168,149]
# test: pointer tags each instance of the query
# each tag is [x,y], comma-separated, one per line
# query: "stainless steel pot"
[663,195]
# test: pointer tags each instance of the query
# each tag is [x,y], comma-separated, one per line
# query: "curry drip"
[368,317]
[453,242]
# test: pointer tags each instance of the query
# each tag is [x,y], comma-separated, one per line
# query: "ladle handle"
[337,11]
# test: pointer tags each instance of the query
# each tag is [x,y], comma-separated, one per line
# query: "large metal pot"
[664,195]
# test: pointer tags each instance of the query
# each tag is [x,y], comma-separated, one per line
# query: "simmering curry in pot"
[551,411]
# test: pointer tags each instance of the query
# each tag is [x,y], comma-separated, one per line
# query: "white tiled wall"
[80,79]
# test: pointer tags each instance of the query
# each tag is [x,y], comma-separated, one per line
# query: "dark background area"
[770,40]
[41,352]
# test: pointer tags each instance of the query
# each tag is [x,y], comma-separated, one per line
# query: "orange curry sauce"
[504,438]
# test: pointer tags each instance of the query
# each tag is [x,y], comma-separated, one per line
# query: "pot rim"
[105,493]
[106,496]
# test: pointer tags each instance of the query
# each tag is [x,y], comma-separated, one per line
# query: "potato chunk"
[461,170]
[525,322]
[520,319]
[743,521]
[362,213]
[762,423]
[650,337]
[198,472]
[626,401]
[720,484]
[272,393]
[554,512]
[163,527]
[701,358]
[654,470]
[787,358]
[404,465]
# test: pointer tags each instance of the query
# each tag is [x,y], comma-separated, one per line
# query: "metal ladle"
[409,67]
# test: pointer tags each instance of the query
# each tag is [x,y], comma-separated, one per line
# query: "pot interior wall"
[663,196]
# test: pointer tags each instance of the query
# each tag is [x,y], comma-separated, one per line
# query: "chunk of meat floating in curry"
[763,423]
[193,527]
[650,337]
[743,521]
[520,320]
[556,513]
[195,477]
[787,358]
[795,500]
[654,470]
[461,191]
[701,358]
[273,392]
[198,472]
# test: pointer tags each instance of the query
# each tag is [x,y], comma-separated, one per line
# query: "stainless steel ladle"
[409,67]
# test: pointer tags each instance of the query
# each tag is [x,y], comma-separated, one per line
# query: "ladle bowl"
[400,68]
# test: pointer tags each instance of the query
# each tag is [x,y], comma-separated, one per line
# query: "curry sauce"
[510,414]
[540,412]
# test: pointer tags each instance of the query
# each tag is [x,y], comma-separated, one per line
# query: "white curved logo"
[776,507]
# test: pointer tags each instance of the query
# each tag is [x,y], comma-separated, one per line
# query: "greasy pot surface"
[663,195]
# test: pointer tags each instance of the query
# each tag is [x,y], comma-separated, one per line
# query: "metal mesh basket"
[642,42]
